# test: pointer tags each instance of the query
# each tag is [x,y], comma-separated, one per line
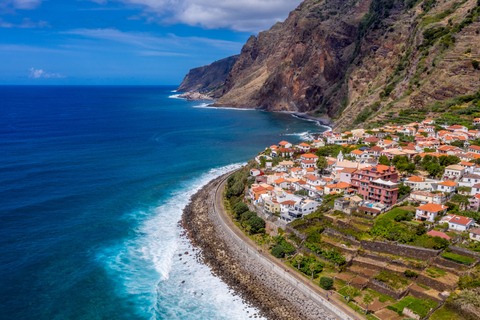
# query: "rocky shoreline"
[256,285]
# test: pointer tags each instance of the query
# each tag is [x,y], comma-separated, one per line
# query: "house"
[475,233]
[419,183]
[359,155]
[429,211]
[318,143]
[434,233]
[458,223]
[474,203]
[341,204]
[469,180]
[337,187]
[448,150]
[445,186]
[474,149]
[375,152]
[475,189]
[457,128]
[369,211]
[468,166]
[271,206]
[313,180]
[454,171]
[427,197]
[476,121]
[287,205]
[282,183]
[387,144]
[256,172]
[308,164]
[303,147]
[308,156]
[257,191]
[377,184]
[371,140]
[301,208]
[283,152]
[346,175]
[285,144]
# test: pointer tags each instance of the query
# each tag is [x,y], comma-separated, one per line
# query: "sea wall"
[259,282]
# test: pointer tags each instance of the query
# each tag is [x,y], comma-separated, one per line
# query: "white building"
[458,223]
[429,211]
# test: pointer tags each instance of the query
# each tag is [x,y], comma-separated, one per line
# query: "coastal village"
[387,218]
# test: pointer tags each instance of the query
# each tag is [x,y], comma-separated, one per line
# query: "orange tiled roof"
[432,207]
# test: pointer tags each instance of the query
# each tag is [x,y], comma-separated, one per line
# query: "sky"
[124,42]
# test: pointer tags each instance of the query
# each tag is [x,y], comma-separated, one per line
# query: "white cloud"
[155,45]
[39,73]
[239,15]
[26,23]
[20,4]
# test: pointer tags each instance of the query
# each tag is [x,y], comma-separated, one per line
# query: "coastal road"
[315,289]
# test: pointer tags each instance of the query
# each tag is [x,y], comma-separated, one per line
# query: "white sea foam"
[151,271]
[175,96]
[210,106]
[303,135]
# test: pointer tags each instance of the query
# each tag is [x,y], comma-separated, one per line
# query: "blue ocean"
[93,181]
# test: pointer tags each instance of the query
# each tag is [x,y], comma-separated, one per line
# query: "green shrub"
[410,274]
[326,283]
[278,251]
[475,64]
[256,223]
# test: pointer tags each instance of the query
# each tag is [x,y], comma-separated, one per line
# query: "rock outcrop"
[359,60]
[209,77]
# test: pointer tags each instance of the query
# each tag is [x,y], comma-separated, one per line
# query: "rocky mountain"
[358,61]
[209,77]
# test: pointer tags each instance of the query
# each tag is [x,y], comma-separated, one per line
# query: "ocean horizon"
[94,180]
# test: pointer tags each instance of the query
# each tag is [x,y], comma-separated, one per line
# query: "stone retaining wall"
[383,289]
[464,252]
[422,295]
[399,249]
[432,283]
[453,266]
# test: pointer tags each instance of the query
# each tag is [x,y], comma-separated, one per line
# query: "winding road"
[286,272]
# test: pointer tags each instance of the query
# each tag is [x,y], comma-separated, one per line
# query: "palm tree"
[367,299]
[312,267]
[298,260]
[249,227]
[350,291]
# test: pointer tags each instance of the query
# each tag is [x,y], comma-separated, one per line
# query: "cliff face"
[361,60]
[208,77]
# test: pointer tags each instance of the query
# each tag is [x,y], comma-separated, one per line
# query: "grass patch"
[419,306]
[423,286]
[345,291]
[457,258]
[444,313]
[391,279]
[435,272]
[381,297]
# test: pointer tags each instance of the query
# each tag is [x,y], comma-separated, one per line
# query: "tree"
[278,251]
[434,169]
[403,190]
[384,160]
[417,159]
[326,283]
[249,228]
[350,291]
[297,260]
[256,224]
[239,208]
[313,267]
[322,163]
[246,215]
[367,299]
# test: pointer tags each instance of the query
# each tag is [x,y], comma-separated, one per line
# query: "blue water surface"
[93,180]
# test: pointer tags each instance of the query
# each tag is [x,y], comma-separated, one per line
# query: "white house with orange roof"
[469,180]
[282,183]
[468,166]
[419,183]
[303,147]
[429,211]
[359,154]
[474,149]
[445,186]
[308,156]
[428,121]
[387,144]
[308,164]
[458,223]
[313,180]
[285,144]
[318,143]
[475,189]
